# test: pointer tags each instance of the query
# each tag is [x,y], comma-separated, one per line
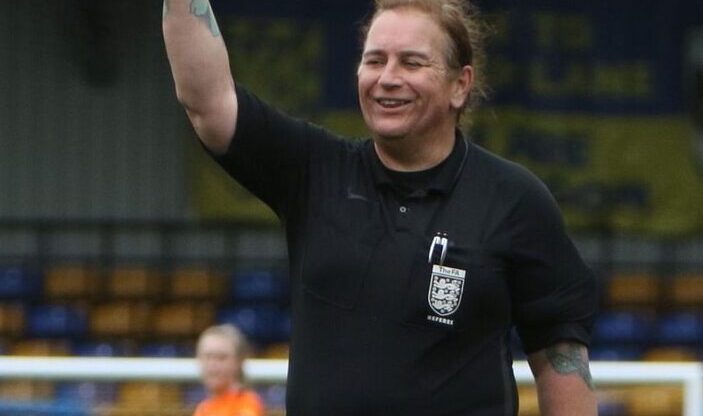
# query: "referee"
[414,253]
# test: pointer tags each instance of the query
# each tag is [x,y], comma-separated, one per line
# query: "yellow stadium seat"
[134,282]
[72,281]
[633,290]
[685,291]
[11,319]
[26,390]
[183,318]
[655,401]
[150,394]
[276,351]
[39,347]
[197,284]
[126,409]
[676,354]
[147,399]
[121,318]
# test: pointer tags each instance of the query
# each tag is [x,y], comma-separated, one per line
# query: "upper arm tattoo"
[203,10]
[570,358]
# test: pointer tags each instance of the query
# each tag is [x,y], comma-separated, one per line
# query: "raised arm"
[200,67]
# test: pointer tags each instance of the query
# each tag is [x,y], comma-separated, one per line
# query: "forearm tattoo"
[568,359]
[202,9]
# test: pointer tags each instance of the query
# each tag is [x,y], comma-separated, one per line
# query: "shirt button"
[403,210]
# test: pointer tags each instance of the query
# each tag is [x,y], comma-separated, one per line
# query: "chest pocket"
[467,293]
[341,236]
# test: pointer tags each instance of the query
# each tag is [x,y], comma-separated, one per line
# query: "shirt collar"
[443,182]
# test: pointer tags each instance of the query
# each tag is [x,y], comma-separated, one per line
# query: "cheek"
[365,82]
[433,85]
[215,367]
[364,97]
[211,370]
[362,89]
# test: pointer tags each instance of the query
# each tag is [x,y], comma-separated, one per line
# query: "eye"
[414,64]
[373,61]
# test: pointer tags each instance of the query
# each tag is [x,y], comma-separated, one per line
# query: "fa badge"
[446,289]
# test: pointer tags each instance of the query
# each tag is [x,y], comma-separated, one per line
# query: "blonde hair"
[239,342]
[460,20]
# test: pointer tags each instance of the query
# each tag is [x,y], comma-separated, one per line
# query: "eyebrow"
[403,54]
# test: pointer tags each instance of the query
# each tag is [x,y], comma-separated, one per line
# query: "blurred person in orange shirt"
[221,352]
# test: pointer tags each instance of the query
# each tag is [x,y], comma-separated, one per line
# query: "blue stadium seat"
[57,321]
[193,394]
[680,328]
[259,285]
[37,408]
[17,283]
[615,352]
[274,395]
[163,350]
[87,393]
[98,349]
[260,323]
[623,328]
[611,408]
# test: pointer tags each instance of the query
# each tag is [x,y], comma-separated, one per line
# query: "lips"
[391,102]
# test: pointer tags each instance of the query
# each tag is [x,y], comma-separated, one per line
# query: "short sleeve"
[270,152]
[553,292]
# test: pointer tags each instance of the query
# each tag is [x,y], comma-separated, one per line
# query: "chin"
[215,387]
[389,134]
[387,128]
[388,139]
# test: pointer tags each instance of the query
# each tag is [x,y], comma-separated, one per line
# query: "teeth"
[391,102]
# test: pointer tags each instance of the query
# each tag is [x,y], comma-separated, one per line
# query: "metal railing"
[688,375]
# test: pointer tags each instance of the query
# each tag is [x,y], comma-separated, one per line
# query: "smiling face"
[405,88]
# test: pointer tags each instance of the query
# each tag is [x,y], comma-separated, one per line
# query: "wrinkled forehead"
[404,29]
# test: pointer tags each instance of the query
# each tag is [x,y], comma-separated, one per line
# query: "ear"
[462,87]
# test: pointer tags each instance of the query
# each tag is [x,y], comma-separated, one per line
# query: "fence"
[689,375]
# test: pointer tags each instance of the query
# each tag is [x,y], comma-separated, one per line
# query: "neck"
[234,387]
[410,154]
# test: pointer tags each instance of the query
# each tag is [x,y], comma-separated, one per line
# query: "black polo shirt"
[403,299]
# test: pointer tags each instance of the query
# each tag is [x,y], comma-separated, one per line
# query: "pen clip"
[439,242]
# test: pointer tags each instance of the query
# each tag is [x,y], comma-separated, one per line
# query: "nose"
[390,76]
